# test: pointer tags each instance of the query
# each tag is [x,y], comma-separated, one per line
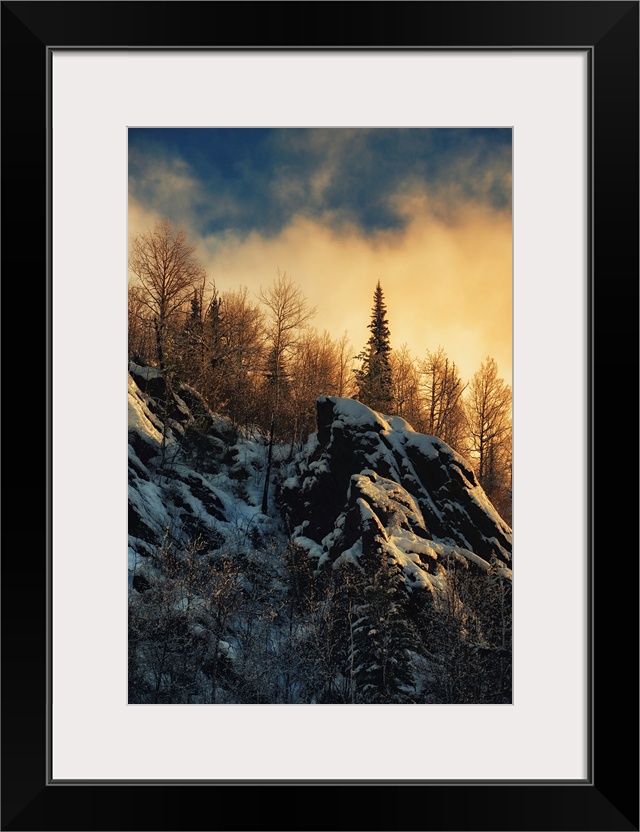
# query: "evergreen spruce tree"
[213,349]
[383,640]
[276,375]
[191,343]
[373,379]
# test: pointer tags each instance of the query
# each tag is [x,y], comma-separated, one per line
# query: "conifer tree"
[191,342]
[374,378]
[383,639]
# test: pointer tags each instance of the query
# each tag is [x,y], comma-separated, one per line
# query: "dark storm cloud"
[256,180]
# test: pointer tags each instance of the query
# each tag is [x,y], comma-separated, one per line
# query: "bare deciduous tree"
[488,414]
[140,328]
[239,359]
[167,271]
[406,387]
[442,390]
[346,359]
[313,371]
[288,313]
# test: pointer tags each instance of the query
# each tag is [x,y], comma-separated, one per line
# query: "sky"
[427,212]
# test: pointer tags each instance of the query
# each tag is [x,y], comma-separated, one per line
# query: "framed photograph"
[86,85]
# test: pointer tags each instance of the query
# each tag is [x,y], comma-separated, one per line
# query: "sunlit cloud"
[443,285]
[428,213]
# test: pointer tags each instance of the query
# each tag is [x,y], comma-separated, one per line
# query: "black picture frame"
[608,798]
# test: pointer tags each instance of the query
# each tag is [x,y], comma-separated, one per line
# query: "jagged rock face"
[184,469]
[163,492]
[372,484]
[364,486]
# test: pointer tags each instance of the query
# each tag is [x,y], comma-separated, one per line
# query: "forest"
[229,386]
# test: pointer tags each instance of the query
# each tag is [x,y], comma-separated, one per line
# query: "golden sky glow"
[445,268]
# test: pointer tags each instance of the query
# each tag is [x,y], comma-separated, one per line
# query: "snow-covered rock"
[364,484]
[371,484]
[190,475]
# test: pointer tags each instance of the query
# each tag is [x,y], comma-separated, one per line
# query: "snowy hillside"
[368,521]
[190,475]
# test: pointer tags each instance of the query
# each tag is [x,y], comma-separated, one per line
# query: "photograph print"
[319,416]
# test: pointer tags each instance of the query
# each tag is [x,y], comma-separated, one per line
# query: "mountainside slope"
[381,572]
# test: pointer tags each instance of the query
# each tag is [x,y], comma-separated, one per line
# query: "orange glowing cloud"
[446,274]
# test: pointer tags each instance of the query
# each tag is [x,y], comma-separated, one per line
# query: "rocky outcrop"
[370,483]
[364,485]
[184,470]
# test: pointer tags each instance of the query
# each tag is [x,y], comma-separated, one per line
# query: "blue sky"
[425,211]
